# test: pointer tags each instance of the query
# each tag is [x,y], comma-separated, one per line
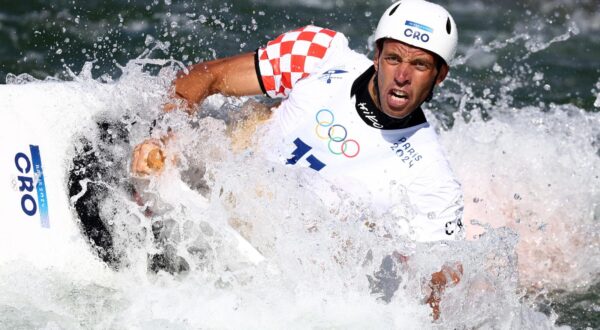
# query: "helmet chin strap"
[376,86]
[430,96]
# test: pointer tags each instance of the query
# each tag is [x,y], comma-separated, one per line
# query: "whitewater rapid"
[530,172]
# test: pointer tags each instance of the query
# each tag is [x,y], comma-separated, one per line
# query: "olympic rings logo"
[337,134]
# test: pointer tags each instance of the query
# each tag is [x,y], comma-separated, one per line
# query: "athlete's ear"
[442,74]
[376,58]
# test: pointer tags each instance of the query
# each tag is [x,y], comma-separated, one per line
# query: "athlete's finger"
[155,159]
[148,158]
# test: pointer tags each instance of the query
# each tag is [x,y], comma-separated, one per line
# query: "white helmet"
[421,24]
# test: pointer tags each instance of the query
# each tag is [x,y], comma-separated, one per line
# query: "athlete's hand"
[176,103]
[179,102]
[148,158]
[449,276]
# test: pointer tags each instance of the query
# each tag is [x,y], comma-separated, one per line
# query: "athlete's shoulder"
[308,40]
[312,33]
[295,55]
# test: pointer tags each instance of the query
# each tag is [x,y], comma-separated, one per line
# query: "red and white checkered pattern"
[292,56]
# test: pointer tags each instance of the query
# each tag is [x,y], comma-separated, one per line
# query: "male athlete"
[358,122]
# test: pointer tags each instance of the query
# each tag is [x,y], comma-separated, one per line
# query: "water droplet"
[149,40]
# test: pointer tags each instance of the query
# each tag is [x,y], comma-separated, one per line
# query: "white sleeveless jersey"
[318,126]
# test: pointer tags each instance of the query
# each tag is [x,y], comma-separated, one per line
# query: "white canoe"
[40,223]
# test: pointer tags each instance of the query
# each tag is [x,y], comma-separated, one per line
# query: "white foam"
[535,172]
[318,255]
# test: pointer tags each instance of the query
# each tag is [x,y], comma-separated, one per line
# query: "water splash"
[597,92]
[529,167]
[319,255]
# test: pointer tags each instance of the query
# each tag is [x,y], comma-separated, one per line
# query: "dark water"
[43,37]
[511,55]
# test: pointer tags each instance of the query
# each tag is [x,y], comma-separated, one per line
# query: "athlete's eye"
[392,59]
[421,65]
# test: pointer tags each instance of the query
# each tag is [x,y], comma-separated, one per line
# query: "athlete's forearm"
[232,76]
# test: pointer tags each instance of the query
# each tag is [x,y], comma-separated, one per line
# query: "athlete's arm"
[279,64]
[232,76]
[437,198]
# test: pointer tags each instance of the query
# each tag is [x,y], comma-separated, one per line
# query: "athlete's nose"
[403,74]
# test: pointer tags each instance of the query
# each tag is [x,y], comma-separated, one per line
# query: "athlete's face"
[405,76]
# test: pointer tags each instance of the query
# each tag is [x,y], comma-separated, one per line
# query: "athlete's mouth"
[399,94]
[397,98]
